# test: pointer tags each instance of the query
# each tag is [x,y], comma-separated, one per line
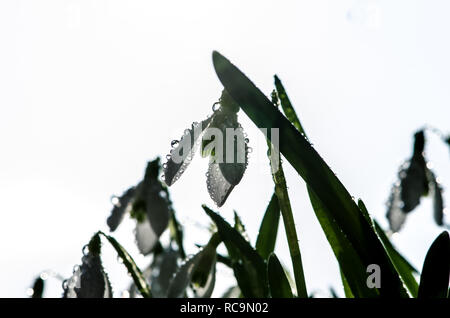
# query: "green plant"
[357,241]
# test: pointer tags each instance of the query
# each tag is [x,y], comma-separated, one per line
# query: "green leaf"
[249,267]
[176,233]
[403,267]
[349,261]
[289,223]
[434,280]
[353,271]
[239,226]
[278,282]
[347,290]
[268,230]
[198,271]
[131,266]
[287,107]
[316,173]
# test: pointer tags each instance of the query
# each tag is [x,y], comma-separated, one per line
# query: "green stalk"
[289,224]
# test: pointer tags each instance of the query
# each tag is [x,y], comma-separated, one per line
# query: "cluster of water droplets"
[173,170]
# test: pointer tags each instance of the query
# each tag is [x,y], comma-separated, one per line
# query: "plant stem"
[289,224]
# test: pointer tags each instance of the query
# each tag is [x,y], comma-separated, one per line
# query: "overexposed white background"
[91,90]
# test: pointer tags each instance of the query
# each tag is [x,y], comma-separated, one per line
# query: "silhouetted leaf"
[311,167]
[268,230]
[288,109]
[434,280]
[238,225]
[38,288]
[249,267]
[413,180]
[353,271]
[438,201]
[89,280]
[199,270]
[404,268]
[278,282]
[176,233]
[131,266]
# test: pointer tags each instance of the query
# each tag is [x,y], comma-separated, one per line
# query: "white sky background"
[91,90]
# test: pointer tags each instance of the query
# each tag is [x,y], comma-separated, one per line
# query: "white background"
[91,90]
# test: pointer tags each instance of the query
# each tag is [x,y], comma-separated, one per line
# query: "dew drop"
[174,143]
[246,140]
[85,250]
[165,165]
[168,157]
[215,107]
[119,260]
[249,149]
[30,292]
[114,200]
[44,276]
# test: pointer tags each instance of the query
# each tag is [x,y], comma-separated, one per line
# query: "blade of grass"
[287,107]
[353,272]
[131,266]
[347,290]
[316,173]
[289,223]
[434,280]
[278,282]
[267,236]
[404,268]
[249,267]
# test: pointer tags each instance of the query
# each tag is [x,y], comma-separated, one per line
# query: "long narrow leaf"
[353,272]
[267,236]
[404,268]
[316,173]
[131,266]
[249,267]
[278,282]
[434,280]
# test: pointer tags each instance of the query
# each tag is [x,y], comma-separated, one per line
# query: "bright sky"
[91,90]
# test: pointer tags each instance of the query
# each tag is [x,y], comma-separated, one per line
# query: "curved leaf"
[38,288]
[89,280]
[268,230]
[249,268]
[278,282]
[438,201]
[434,280]
[404,268]
[353,271]
[199,270]
[131,266]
